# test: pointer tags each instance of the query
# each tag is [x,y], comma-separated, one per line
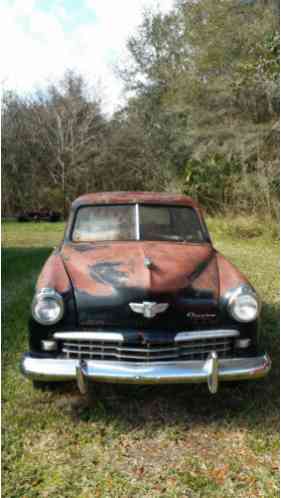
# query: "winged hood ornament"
[149,309]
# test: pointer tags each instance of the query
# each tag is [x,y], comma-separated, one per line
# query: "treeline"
[202,117]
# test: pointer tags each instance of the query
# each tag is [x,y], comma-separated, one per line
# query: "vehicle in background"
[39,215]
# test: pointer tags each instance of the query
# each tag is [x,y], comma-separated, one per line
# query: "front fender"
[53,275]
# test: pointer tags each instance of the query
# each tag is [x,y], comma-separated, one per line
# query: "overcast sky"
[40,39]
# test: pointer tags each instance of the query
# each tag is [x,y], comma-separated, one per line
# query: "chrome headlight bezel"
[242,291]
[43,295]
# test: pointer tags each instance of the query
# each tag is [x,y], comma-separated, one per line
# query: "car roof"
[133,198]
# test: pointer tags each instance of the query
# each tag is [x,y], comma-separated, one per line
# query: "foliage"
[210,181]
[201,117]
[49,140]
[214,67]
[58,145]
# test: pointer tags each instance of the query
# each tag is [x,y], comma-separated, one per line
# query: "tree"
[208,73]
[50,142]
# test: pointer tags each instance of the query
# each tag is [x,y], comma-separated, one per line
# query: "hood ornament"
[149,309]
[148,263]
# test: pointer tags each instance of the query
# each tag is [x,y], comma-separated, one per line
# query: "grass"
[144,442]
[31,234]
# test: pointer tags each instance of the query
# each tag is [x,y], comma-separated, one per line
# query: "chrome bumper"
[211,370]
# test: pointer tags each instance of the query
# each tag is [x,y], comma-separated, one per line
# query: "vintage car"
[136,293]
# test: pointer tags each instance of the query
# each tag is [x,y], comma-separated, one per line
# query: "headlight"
[47,307]
[243,304]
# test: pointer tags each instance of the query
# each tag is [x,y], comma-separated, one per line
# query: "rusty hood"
[108,276]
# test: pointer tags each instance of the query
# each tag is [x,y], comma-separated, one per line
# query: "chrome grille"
[120,351]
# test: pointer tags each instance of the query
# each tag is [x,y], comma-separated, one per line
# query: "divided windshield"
[137,222]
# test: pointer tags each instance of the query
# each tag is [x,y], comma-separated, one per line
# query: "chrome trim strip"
[102,348]
[137,222]
[151,359]
[118,336]
[49,369]
[120,355]
[89,336]
[205,334]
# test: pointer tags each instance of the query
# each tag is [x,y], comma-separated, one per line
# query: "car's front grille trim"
[169,350]
[148,356]
[205,334]
[71,346]
[90,336]
[120,349]
[120,355]
[108,336]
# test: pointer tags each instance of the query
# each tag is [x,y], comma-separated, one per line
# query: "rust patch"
[54,275]
[132,198]
[109,273]
[200,268]
[229,275]
[122,264]
[207,278]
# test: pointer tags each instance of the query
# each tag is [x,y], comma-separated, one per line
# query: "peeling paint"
[109,273]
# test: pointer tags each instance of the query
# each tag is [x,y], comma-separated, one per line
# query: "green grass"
[31,234]
[170,442]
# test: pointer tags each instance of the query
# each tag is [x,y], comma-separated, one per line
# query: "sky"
[40,39]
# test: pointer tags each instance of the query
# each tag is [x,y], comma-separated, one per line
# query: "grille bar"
[192,349]
[122,356]
[98,347]
[149,356]
[150,349]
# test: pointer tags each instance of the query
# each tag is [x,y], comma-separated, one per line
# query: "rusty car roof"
[132,198]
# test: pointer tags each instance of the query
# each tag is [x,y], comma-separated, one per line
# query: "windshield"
[137,222]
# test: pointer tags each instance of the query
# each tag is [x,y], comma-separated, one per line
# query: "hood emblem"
[149,309]
[148,263]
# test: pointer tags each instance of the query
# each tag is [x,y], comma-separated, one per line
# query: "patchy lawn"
[170,442]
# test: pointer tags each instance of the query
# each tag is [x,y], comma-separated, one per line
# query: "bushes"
[221,185]
[210,181]
[243,227]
